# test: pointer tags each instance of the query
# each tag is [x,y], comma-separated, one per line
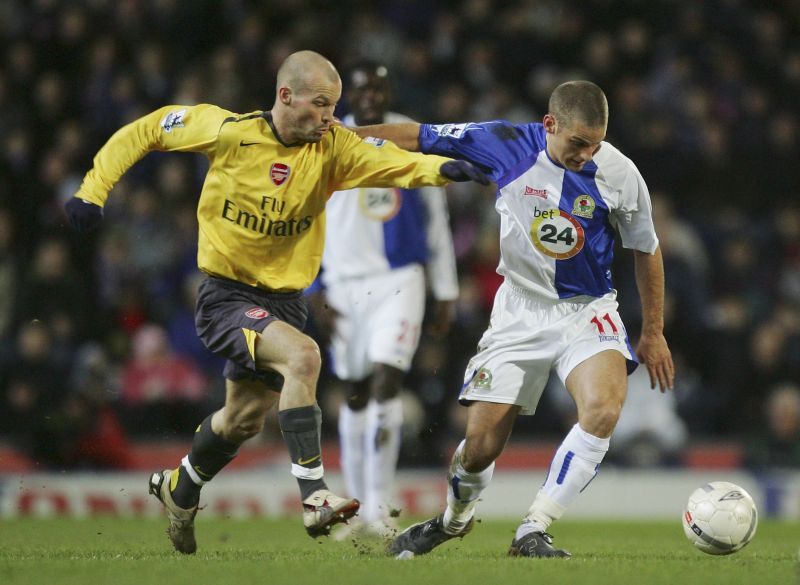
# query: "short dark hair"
[579,101]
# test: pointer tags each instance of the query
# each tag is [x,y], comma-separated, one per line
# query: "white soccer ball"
[720,518]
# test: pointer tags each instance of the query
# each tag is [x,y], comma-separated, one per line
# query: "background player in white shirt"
[563,193]
[371,305]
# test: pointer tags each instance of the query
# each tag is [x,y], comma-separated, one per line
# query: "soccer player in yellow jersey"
[262,228]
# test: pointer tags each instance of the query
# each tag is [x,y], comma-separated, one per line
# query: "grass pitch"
[137,552]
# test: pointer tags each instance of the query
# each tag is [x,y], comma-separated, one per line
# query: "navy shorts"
[225,308]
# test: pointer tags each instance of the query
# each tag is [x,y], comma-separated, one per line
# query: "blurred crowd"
[97,341]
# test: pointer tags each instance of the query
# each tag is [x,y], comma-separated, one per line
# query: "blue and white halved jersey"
[557,226]
[372,231]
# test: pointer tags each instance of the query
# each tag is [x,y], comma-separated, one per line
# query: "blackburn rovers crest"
[584,206]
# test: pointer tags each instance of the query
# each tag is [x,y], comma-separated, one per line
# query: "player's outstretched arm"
[652,349]
[374,162]
[181,128]
[404,134]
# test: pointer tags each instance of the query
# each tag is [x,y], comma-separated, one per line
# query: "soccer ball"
[720,518]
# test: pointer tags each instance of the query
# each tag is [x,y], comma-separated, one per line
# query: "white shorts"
[529,336]
[381,318]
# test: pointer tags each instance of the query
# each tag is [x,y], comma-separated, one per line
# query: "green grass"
[136,552]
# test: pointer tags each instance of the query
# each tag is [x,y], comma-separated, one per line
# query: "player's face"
[572,146]
[311,111]
[368,95]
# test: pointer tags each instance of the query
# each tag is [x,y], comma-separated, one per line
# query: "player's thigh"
[350,336]
[285,349]
[515,354]
[599,382]
[385,382]
[231,317]
[597,357]
[395,323]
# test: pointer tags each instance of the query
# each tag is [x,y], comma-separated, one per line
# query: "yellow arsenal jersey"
[262,209]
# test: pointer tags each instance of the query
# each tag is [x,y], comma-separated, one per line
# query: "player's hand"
[654,353]
[83,215]
[461,170]
[444,313]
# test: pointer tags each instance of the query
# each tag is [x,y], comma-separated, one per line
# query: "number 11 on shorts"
[600,328]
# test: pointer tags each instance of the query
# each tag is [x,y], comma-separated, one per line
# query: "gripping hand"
[461,170]
[82,215]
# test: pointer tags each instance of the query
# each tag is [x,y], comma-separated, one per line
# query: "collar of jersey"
[268,117]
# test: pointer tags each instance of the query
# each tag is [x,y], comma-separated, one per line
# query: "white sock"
[463,490]
[384,430]
[574,465]
[541,513]
[352,428]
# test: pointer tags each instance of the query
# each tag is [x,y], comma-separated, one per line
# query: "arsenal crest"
[279,172]
[257,313]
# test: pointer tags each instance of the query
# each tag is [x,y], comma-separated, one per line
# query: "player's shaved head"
[308,89]
[580,102]
[302,69]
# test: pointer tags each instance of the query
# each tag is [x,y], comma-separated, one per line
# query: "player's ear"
[285,95]
[549,123]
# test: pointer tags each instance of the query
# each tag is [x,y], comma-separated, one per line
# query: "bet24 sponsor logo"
[556,233]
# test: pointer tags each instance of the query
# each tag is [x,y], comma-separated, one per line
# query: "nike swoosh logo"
[243,143]
[307,461]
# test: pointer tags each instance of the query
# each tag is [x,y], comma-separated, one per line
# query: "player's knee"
[386,382]
[358,396]
[305,360]
[601,418]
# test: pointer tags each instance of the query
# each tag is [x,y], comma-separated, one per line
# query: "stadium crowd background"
[97,343]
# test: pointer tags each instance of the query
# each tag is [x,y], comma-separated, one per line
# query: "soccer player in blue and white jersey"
[563,195]
[378,244]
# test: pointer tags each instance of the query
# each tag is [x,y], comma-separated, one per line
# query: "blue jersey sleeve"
[315,287]
[497,147]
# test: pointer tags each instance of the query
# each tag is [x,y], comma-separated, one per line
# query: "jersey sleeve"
[441,266]
[171,128]
[495,147]
[316,286]
[375,162]
[634,217]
